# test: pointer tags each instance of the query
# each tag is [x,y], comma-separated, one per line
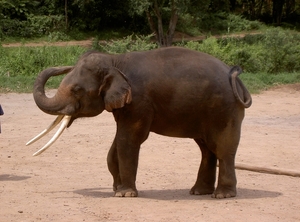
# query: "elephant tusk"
[64,124]
[52,125]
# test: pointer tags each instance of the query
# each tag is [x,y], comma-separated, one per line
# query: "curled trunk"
[49,105]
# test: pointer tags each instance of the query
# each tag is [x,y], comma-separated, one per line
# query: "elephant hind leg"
[205,183]
[226,181]
[226,148]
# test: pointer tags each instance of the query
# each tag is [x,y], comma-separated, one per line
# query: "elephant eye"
[78,91]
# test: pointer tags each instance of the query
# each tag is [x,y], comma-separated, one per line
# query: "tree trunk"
[172,25]
[277,11]
[260,6]
[232,5]
[160,29]
[151,23]
[163,38]
[66,14]
[290,7]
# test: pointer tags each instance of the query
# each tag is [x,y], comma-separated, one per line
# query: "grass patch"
[19,66]
[257,82]
[73,35]
[24,84]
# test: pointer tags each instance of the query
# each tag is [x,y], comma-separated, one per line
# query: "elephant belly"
[176,128]
[191,124]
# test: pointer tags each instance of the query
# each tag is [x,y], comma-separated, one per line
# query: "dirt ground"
[71,182]
[178,37]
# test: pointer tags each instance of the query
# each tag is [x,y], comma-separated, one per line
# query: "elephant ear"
[115,89]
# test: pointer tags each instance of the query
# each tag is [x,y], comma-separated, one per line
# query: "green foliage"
[127,44]
[16,9]
[210,46]
[44,24]
[58,36]
[273,51]
[213,22]
[283,50]
[34,26]
[188,24]
[222,22]
[26,61]
[257,82]
[269,58]
[162,15]
[20,65]
[236,23]
[139,7]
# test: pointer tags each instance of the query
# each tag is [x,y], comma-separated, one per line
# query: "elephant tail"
[239,90]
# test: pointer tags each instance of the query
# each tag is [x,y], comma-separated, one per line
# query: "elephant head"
[89,87]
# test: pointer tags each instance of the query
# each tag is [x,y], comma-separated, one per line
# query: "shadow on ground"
[8,177]
[181,194]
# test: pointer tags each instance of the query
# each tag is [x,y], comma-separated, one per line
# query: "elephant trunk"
[49,105]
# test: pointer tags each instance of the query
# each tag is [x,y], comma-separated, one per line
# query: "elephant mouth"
[65,120]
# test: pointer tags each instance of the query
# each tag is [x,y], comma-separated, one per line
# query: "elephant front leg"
[122,163]
[128,163]
[132,131]
[113,165]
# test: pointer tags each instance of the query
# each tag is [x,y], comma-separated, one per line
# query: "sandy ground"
[70,181]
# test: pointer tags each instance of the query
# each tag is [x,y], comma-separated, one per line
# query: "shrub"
[127,44]
[188,24]
[28,61]
[213,22]
[19,66]
[273,51]
[211,46]
[252,39]
[236,23]
[222,22]
[282,50]
[58,36]
[34,26]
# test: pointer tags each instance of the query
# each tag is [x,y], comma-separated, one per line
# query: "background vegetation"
[269,54]
[267,59]
[36,18]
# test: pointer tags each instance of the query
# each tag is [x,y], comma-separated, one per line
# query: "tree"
[17,9]
[66,14]
[162,16]
[277,11]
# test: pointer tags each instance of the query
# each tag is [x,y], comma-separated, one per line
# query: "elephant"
[171,91]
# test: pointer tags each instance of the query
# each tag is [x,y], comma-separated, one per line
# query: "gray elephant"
[171,91]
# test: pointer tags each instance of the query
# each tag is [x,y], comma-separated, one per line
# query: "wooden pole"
[241,166]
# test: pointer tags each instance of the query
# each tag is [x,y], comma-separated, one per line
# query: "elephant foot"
[121,192]
[221,193]
[201,190]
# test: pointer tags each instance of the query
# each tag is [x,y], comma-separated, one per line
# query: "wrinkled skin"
[170,91]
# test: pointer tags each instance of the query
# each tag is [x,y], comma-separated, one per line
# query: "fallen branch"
[291,173]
